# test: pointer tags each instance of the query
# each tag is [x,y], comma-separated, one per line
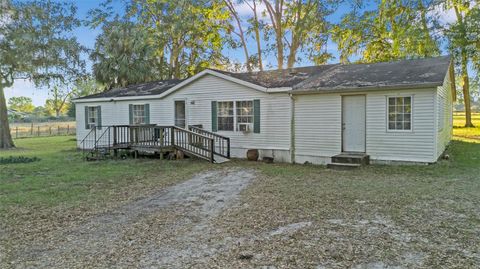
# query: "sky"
[86,36]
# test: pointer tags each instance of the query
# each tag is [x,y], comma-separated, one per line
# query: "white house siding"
[272,141]
[417,145]
[318,134]
[444,102]
[274,137]
[113,113]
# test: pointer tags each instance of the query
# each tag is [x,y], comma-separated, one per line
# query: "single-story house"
[391,111]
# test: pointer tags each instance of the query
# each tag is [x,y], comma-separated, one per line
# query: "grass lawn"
[466,133]
[61,177]
[408,216]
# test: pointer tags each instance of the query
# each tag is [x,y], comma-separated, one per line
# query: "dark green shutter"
[86,118]
[256,116]
[147,113]
[214,116]
[130,114]
[99,117]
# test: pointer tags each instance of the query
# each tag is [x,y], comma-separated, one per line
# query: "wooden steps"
[152,139]
[349,161]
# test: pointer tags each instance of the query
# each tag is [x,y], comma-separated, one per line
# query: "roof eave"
[370,88]
[183,84]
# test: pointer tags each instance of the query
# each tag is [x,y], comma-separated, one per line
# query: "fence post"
[50,130]
[38,130]
[16,132]
[68,129]
[58,130]
[31,129]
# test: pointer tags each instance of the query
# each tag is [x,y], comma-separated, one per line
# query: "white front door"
[353,123]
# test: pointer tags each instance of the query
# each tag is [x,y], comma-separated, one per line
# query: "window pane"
[391,116]
[399,113]
[391,109]
[138,114]
[407,117]
[225,116]
[92,115]
[399,117]
[225,123]
[399,109]
[244,112]
[399,125]
[225,109]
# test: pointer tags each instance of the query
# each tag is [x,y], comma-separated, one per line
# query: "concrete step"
[352,158]
[220,159]
[343,166]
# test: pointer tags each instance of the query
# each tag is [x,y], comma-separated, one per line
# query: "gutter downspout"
[292,128]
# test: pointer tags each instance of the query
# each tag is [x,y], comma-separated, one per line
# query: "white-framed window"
[138,116]
[225,116]
[92,116]
[399,115]
[244,115]
[235,115]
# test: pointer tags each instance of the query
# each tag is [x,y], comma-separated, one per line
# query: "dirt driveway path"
[171,228]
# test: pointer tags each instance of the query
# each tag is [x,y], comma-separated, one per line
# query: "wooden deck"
[195,142]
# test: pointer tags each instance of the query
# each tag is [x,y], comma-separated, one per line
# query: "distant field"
[466,133]
[20,130]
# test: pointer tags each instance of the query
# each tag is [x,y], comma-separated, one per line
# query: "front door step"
[343,166]
[346,161]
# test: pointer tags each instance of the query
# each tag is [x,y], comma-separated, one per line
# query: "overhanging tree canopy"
[36,44]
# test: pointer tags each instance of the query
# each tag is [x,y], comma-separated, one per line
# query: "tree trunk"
[240,33]
[257,36]
[279,39]
[466,90]
[276,17]
[292,57]
[295,36]
[5,136]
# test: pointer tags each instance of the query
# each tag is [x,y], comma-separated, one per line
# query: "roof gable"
[427,72]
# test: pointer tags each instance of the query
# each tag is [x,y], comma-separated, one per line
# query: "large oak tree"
[35,44]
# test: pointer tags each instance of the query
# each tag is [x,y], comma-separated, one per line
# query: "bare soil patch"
[171,228]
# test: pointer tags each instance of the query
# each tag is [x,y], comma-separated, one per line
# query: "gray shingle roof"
[404,73]
[148,88]
[323,78]
[278,78]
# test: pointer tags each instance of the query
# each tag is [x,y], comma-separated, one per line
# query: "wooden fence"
[42,130]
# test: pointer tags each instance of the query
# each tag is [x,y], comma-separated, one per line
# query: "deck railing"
[221,143]
[88,142]
[153,137]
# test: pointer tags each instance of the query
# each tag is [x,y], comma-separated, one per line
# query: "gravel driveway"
[171,228]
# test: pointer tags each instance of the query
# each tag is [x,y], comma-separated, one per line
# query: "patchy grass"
[291,216]
[408,216]
[462,132]
[61,177]
[62,188]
